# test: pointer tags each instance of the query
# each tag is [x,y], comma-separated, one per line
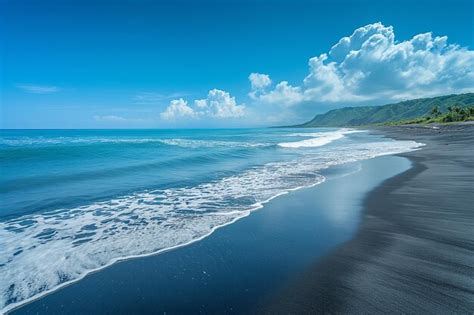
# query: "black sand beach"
[414,252]
[369,242]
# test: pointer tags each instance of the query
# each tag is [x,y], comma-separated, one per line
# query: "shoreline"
[233,236]
[414,251]
[15,306]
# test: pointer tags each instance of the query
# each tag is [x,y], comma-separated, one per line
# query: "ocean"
[76,201]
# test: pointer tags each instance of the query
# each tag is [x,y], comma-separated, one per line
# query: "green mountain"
[368,115]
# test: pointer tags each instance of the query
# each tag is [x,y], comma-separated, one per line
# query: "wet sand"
[414,252]
[237,267]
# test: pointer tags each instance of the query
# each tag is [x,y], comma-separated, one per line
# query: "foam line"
[318,139]
[186,143]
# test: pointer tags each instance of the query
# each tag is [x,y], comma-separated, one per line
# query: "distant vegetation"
[454,114]
[449,108]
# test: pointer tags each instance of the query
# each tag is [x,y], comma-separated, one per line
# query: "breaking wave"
[318,139]
[186,143]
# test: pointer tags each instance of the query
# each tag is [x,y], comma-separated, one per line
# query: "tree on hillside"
[435,112]
[458,113]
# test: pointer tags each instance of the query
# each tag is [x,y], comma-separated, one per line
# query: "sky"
[218,64]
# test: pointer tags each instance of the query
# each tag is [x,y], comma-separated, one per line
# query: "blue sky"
[155,64]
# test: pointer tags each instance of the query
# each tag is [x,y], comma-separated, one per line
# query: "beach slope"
[415,248]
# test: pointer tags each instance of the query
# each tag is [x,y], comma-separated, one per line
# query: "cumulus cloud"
[200,103]
[371,65]
[38,89]
[259,81]
[283,94]
[218,104]
[221,104]
[178,109]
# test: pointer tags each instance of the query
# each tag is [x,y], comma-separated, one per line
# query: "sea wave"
[185,143]
[318,139]
[42,252]
[43,141]
[192,143]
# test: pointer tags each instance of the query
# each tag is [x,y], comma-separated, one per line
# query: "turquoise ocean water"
[75,201]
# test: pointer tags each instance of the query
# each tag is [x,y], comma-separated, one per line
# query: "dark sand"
[414,252]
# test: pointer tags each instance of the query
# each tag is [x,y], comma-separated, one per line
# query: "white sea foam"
[44,141]
[192,143]
[318,139]
[42,252]
[186,143]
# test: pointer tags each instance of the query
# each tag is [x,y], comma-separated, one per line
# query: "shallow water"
[76,201]
[240,267]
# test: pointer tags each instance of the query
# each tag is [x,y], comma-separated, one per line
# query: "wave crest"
[185,143]
[318,138]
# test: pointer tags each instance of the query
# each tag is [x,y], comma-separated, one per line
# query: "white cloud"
[371,65]
[283,94]
[218,104]
[38,89]
[259,81]
[200,103]
[178,109]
